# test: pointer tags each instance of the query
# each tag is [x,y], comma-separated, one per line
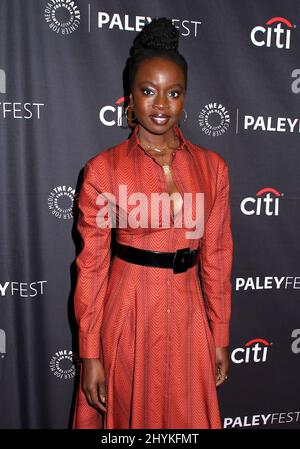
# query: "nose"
[160,102]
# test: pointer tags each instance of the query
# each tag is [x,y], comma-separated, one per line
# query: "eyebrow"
[150,82]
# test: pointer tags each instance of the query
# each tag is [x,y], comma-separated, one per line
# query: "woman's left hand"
[222,365]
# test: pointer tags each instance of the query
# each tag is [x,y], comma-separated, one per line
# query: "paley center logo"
[64,363]
[255,350]
[275,33]
[214,119]
[266,202]
[61,201]
[62,16]
[17,109]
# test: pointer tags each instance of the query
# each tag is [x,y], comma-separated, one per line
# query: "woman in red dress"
[154,320]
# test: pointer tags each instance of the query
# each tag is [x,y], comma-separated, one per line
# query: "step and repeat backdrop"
[61,102]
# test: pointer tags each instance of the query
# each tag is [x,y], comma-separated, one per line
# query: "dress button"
[168,310]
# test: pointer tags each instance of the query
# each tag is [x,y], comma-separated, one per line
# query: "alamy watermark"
[143,209]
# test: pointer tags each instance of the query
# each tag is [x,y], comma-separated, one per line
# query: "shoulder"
[213,166]
[99,169]
[106,158]
[209,158]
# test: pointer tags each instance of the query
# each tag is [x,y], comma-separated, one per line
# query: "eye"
[174,93]
[147,91]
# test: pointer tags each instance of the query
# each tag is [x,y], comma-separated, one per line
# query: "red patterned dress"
[154,330]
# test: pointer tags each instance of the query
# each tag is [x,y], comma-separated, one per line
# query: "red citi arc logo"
[270,35]
[113,115]
[255,350]
[266,202]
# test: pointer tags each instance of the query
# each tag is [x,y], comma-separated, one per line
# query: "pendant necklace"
[166,167]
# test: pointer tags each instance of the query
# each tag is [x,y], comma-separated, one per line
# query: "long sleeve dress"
[155,331]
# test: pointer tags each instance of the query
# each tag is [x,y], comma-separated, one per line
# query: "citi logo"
[278,35]
[2,344]
[2,82]
[266,202]
[255,350]
[113,115]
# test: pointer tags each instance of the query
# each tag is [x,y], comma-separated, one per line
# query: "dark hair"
[158,38]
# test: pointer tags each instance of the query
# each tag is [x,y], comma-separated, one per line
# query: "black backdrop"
[61,98]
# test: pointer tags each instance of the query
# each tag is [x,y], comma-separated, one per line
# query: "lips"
[160,119]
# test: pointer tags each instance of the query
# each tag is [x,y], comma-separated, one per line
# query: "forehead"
[159,70]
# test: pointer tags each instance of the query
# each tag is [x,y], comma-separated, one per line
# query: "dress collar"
[134,140]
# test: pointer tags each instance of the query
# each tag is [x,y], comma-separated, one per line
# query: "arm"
[215,267]
[92,270]
[92,264]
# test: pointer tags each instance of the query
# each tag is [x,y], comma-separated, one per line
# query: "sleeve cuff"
[89,345]
[220,332]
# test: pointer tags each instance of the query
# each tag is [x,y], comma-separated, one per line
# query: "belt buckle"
[183,259]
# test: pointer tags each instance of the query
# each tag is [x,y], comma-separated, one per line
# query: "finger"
[102,396]
[219,373]
[219,382]
[218,378]
[221,379]
[95,400]
[102,393]
[222,371]
[88,397]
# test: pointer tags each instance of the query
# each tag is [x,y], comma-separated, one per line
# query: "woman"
[154,320]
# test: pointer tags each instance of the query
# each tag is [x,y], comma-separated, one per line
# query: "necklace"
[166,167]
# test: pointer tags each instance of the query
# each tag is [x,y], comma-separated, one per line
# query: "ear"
[131,98]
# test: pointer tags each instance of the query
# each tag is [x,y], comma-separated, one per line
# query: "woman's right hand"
[93,383]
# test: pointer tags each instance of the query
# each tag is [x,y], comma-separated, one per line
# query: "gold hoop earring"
[131,118]
[185,115]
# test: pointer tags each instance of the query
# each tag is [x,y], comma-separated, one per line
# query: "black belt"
[180,261]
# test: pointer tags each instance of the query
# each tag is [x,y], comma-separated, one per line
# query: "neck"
[159,140]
